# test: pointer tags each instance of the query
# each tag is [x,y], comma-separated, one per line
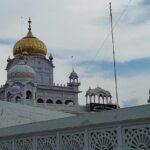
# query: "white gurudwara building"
[37,114]
[30,76]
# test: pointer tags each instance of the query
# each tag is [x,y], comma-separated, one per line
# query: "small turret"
[74,83]
[50,57]
[73,79]
[9,60]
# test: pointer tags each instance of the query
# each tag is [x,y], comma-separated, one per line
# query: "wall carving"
[137,138]
[24,143]
[131,138]
[6,145]
[103,139]
[72,141]
[46,143]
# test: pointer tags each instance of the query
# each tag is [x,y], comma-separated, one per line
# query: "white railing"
[123,129]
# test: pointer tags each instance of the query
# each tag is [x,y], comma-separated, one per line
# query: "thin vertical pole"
[114,59]
[72,62]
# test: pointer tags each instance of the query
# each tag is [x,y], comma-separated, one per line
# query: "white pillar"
[86,140]
[58,141]
[99,99]
[120,138]
[86,99]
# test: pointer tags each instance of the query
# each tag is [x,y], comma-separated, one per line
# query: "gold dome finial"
[30,45]
[29,28]
[29,24]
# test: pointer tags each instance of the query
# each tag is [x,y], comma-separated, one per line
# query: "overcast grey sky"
[79,28]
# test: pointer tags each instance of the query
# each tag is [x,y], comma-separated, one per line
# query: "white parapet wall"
[122,129]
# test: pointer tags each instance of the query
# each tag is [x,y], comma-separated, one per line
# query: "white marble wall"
[123,129]
[46,89]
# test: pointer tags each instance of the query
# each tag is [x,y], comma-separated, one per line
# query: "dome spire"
[29,24]
[30,45]
[29,28]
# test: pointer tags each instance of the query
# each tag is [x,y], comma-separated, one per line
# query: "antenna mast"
[72,63]
[114,59]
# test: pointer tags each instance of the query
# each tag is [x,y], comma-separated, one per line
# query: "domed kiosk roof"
[21,71]
[98,91]
[30,45]
[73,75]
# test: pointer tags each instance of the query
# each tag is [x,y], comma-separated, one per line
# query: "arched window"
[69,102]
[40,100]
[49,101]
[28,95]
[58,102]
[18,99]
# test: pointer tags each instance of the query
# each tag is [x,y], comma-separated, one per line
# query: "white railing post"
[58,141]
[119,138]
[86,139]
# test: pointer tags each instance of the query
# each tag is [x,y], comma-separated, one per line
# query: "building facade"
[65,125]
[30,76]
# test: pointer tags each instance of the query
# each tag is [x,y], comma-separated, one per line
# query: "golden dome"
[30,45]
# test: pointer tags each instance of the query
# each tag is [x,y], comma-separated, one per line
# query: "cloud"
[131,102]
[142,13]
[6,41]
[145,3]
[79,28]
[66,53]
[124,69]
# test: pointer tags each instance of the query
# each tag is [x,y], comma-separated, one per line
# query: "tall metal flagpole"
[114,59]
[72,63]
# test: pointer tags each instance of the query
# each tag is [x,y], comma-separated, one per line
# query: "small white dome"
[98,91]
[73,75]
[21,71]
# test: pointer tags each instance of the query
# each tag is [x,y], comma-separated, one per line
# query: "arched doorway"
[49,101]
[40,100]
[17,99]
[69,102]
[28,95]
[58,102]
